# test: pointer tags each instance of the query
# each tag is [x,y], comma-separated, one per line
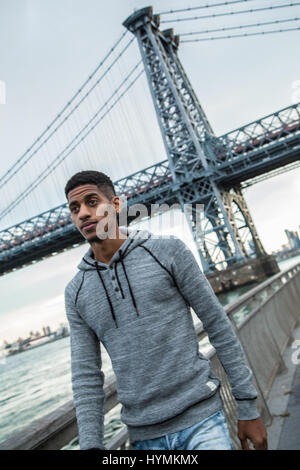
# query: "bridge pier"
[242,273]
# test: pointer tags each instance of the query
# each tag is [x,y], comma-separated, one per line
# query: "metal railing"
[263,318]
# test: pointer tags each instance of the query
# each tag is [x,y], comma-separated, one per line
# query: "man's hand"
[255,431]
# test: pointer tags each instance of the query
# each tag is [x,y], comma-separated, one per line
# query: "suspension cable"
[238,27]
[53,165]
[10,170]
[8,178]
[243,35]
[231,13]
[203,6]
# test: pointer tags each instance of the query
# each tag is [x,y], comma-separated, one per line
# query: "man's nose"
[84,212]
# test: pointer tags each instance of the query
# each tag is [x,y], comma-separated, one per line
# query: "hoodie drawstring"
[108,298]
[129,286]
[118,281]
[98,268]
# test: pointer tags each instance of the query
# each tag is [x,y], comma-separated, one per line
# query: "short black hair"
[102,181]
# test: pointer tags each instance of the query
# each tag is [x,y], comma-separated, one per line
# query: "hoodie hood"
[135,237]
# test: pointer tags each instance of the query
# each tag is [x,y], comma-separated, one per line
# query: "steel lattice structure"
[201,168]
[192,148]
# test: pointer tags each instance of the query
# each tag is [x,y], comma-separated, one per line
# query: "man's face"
[84,202]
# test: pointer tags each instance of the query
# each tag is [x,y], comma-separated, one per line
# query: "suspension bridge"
[200,168]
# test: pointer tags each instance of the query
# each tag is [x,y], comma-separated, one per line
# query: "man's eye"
[73,209]
[92,200]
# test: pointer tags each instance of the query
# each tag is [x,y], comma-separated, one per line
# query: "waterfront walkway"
[284,402]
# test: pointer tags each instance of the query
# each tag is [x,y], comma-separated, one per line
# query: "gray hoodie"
[138,307]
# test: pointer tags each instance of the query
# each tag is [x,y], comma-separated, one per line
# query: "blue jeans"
[209,434]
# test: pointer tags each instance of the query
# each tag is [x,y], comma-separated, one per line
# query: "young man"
[133,293]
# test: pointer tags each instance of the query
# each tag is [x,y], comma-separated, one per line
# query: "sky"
[49,48]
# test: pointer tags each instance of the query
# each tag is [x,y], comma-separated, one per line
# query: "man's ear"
[116,200]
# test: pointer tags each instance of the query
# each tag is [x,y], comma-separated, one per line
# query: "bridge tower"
[220,221]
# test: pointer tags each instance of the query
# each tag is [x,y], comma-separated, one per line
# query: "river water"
[36,382]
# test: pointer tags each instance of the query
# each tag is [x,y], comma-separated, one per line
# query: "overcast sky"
[49,47]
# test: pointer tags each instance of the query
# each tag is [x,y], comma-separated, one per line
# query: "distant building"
[62,330]
[293,239]
[46,330]
[36,339]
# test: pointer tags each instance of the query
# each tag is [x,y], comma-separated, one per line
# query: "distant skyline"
[36,331]
[52,46]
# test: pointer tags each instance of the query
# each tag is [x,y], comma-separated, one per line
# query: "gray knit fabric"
[138,307]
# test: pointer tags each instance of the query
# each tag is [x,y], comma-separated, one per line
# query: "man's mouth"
[89,226]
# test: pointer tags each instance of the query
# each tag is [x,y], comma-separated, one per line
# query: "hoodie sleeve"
[201,297]
[87,378]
